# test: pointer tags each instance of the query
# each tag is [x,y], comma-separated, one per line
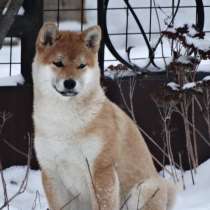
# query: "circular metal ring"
[108,42]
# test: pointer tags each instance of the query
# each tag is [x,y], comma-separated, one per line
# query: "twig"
[24,182]
[151,197]
[155,143]
[4,184]
[93,184]
[125,202]
[69,202]
[194,133]
[181,170]
[130,110]
[166,111]
[197,131]
[14,148]
[4,117]
[37,197]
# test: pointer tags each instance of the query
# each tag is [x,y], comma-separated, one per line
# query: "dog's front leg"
[57,196]
[105,190]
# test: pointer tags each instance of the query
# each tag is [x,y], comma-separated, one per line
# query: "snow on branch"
[191,38]
[189,86]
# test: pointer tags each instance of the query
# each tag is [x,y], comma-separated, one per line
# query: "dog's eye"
[58,64]
[82,66]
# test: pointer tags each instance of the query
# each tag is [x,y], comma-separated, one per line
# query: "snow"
[34,190]
[192,31]
[174,86]
[188,85]
[12,80]
[113,74]
[195,197]
[201,44]
[207,78]
[20,12]
[172,30]
[183,60]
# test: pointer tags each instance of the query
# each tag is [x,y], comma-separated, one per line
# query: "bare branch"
[24,182]
[93,184]
[151,197]
[69,202]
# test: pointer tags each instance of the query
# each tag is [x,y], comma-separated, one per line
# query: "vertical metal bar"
[150,20]
[100,20]
[82,14]
[173,7]
[58,13]
[126,30]
[10,58]
[34,14]
[200,18]
[172,15]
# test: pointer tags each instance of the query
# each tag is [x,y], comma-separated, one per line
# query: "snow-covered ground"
[195,197]
[116,16]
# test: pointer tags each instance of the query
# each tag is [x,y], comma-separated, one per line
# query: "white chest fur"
[69,160]
[61,145]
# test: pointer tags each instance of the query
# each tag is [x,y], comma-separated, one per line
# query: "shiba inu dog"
[91,154]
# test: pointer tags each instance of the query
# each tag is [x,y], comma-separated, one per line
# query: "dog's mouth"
[66,92]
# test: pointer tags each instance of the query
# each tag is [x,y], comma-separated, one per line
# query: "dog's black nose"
[69,84]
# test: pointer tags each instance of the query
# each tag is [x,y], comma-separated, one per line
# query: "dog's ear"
[47,34]
[92,37]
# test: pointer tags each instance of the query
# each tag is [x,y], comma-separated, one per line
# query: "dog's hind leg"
[151,194]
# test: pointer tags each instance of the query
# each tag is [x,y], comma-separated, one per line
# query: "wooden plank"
[18,101]
[2,5]
[8,19]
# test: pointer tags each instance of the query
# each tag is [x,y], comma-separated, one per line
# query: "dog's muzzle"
[66,92]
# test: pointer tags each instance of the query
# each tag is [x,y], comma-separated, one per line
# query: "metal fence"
[144,32]
[126,24]
[25,28]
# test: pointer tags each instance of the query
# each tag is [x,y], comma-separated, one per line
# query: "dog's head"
[66,63]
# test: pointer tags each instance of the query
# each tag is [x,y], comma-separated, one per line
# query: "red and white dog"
[91,153]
